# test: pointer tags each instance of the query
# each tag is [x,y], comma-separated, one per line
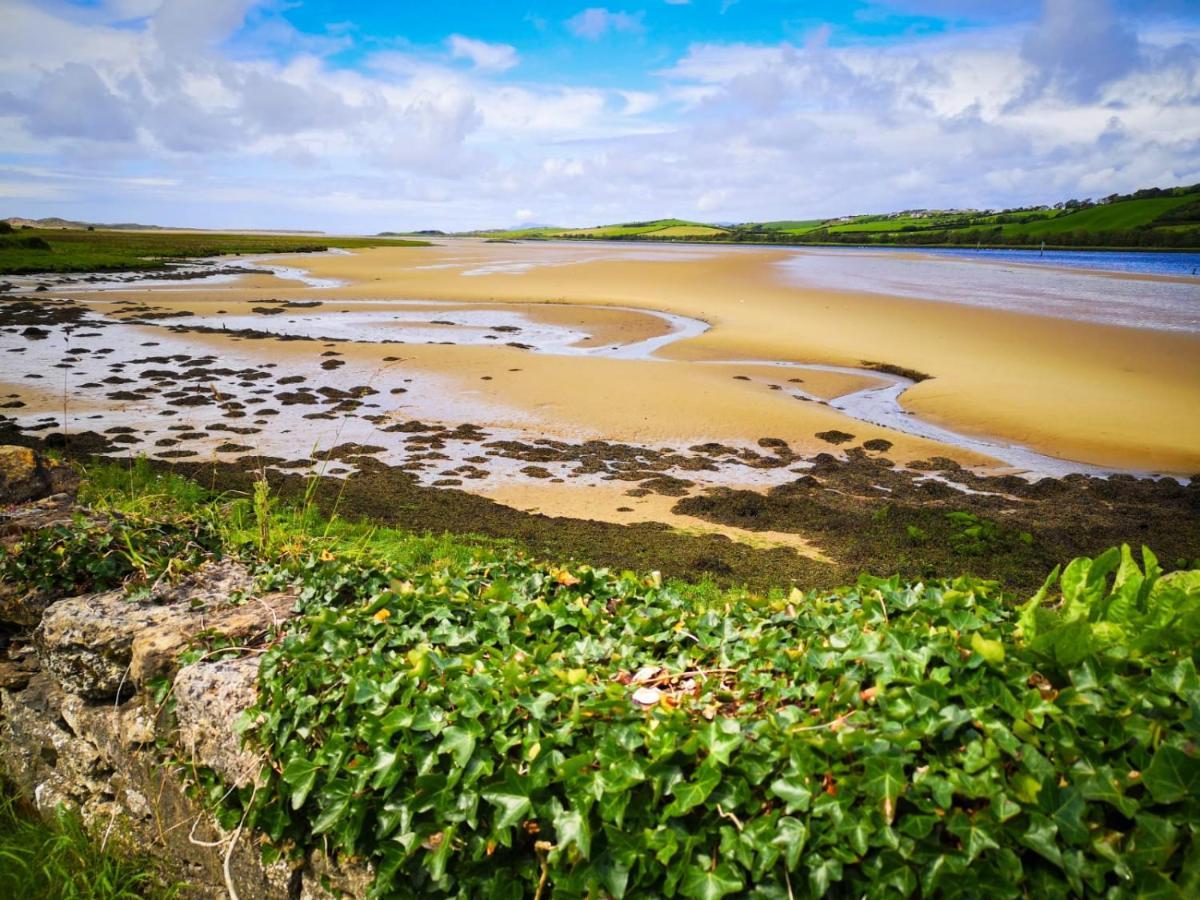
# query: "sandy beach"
[1107,396]
[692,354]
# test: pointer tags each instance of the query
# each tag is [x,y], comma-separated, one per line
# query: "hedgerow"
[501,728]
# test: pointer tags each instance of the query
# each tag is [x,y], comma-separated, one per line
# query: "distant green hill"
[1166,218]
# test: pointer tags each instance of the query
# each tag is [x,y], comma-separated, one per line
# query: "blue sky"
[360,117]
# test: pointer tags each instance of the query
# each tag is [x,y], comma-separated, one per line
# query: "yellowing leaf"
[991,651]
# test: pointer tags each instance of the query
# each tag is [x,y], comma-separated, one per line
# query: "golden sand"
[609,503]
[1097,394]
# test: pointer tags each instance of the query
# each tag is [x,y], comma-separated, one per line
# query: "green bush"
[506,729]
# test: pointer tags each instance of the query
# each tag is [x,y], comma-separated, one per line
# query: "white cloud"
[484,56]
[161,120]
[596,21]
[1078,48]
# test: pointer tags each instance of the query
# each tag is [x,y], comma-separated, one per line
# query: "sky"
[362,117]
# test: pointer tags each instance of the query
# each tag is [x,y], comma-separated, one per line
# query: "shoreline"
[465,351]
[828,327]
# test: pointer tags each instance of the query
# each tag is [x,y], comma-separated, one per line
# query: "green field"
[657,229]
[1123,216]
[29,251]
[1166,218]
[793,226]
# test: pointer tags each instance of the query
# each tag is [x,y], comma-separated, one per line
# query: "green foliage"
[21,243]
[55,859]
[92,556]
[974,535]
[1140,612]
[474,727]
[76,250]
[136,488]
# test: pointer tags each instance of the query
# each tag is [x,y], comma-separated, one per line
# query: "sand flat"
[1105,395]
[1101,395]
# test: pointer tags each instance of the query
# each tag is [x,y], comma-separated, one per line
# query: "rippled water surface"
[1109,288]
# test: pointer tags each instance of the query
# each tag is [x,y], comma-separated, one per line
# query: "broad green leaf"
[976,832]
[1151,885]
[1172,775]
[510,801]
[793,791]
[459,743]
[1154,840]
[1042,837]
[721,737]
[690,794]
[790,838]
[704,884]
[300,774]
[571,829]
[991,651]
[823,872]
[884,784]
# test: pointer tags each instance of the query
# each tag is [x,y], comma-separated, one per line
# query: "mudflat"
[1103,395]
[578,390]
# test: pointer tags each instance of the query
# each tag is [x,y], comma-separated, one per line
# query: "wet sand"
[1109,396]
[528,343]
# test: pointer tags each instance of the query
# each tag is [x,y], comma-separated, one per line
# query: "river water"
[1136,290]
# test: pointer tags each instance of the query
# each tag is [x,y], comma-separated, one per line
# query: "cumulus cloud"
[141,114]
[596,21]
[1078,48]
[484,56]
[189,26]
[73,102]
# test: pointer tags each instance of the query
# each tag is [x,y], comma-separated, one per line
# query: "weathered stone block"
[209,698]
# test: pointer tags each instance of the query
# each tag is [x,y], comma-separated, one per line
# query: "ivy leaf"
[885,783]
[1065,806]
[991,651]
[974,834]
[1040,837]
[1155,886]
[512,802]
[460,743]
[790,835]
[703,884]
[571,829]
[442,845]
[792,790]
[1154,840]
[822,872]
[690,794]
[1103,785]
[721,737]
[1172,775]
[300,774]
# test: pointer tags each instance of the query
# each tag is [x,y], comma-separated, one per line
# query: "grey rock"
[88,642]
[209,699]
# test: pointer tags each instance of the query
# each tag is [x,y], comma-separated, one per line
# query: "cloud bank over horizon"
[236,113]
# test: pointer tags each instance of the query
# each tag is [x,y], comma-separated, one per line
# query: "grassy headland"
[1154,218]
[32,250]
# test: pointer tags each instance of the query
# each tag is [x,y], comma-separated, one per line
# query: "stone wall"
[80,726]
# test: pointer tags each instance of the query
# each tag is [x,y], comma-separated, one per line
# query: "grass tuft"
[55,859]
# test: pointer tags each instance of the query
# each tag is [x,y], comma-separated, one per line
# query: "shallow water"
[1018,281]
